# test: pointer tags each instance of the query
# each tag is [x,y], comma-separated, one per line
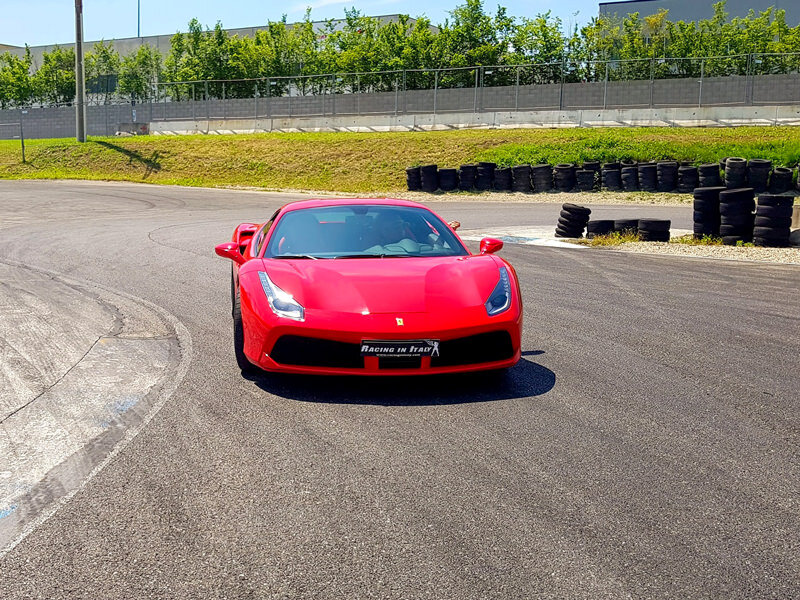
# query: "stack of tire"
[611,177]
[521,179]
[466,177]
[542,177]
[448,179]
[706,211]
[648,177]
[626,226]
[599,227]
[758,171]
[736,215]
[485,176]
[654,230]
[429,178]
[630,178]
[708,175]
[572,221]
[735,173]
[564,177]
[781,180]
[773,221]
[688,178]
[667,174]
[413,179]
[593,165]
[584,179]
[502,179]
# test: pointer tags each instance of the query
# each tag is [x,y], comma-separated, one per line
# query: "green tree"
[16,88]
[102,66]
[54,81]
[139,72]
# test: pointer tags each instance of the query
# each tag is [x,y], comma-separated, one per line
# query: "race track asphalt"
[647,445]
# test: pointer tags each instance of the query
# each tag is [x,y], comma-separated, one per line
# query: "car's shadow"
[526,379]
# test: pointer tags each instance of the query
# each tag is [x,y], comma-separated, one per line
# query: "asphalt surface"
[646,445]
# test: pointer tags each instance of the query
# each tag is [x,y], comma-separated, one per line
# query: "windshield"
[361,231]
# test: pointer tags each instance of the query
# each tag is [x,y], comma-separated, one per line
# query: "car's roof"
[320,202]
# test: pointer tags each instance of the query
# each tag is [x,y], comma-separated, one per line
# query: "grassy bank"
[372,162]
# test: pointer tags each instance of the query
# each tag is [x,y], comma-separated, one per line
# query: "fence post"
[605,88]
[22,132]
[224,107]
[405,95]
[255,99]
[652,79]
[358,95]
[208,109]
[516,91]
[164,106]
[396,94]
[702,74]
[194,99]
[435,88]
[561,91]
[475,101]
[333,95]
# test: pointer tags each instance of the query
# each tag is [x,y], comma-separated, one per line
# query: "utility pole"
[80,83]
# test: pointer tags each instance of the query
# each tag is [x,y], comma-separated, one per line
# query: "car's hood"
[387,285]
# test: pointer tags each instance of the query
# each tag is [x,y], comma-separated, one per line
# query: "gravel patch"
[786,256]
[639,198]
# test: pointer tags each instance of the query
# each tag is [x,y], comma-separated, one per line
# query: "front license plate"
[384,348]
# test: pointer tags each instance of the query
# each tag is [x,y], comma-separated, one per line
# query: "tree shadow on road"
[526,379]
[151,163]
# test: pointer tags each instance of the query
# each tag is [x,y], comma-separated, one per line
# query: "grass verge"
[371,162]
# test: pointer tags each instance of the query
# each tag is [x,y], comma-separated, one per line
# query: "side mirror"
[230,250]
[490,245]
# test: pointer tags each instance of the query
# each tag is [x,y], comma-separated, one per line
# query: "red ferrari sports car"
[373,287]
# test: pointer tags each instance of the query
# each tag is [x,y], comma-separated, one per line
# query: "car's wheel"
[238,338]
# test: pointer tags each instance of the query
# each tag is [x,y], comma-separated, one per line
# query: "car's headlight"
[500,298]
[281,303]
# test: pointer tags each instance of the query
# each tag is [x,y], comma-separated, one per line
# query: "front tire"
[245,365]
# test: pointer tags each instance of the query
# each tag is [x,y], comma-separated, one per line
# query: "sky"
[39,22]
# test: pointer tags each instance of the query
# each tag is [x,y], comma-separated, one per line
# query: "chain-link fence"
[663,82]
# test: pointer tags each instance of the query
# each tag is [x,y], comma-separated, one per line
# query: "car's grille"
[316,352]
[399,362]
[484,347]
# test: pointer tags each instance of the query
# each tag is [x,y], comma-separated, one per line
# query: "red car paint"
[411,298]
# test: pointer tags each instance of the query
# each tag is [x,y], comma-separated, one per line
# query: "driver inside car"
[394,234]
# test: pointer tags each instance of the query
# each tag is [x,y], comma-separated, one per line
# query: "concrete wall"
[753,99]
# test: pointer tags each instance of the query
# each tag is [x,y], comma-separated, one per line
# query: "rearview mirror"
[490,245]
[230,250]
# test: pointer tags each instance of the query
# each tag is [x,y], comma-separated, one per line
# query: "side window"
[261,235]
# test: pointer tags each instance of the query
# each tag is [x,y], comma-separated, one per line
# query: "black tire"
[731,230]
[771,243]
[574,217]
[768,233]
[570,223]
[732,240]
[735,209]
[743,220]
[653,225]
[569,233]
[245,365]
[773,222]
[631,225]
[772,200]
[576,210]
[775,212]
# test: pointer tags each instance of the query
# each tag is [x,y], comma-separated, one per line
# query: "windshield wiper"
[372,255]
[296,256]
